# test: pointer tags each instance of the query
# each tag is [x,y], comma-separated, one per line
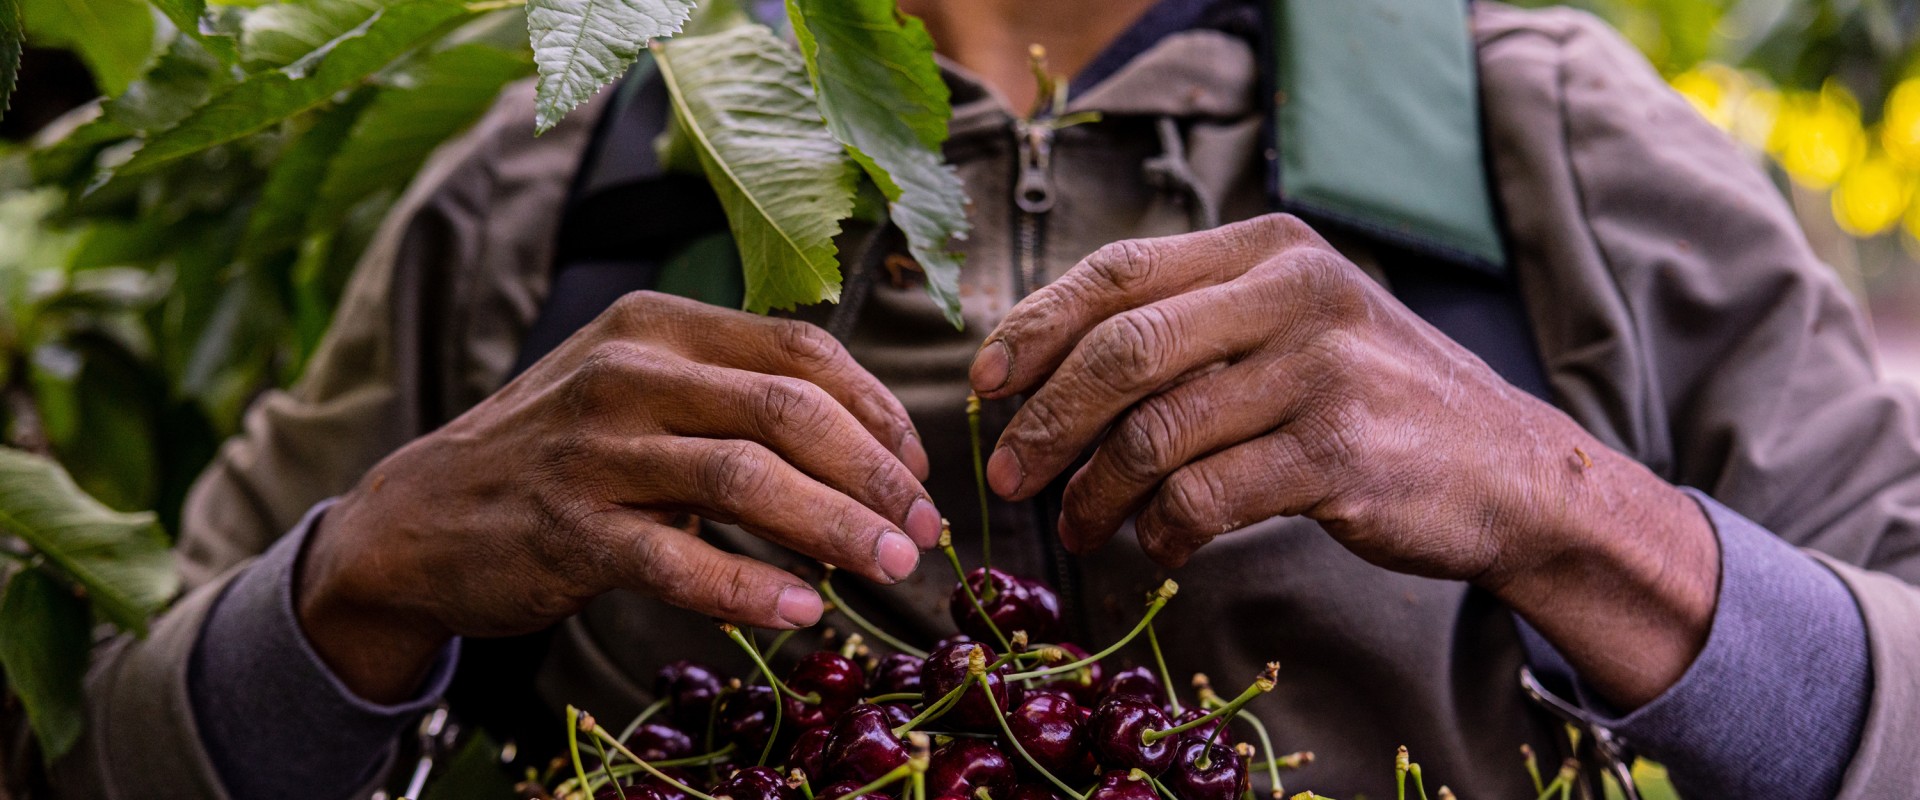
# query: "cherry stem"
[1160,598]
[1533,767]
[1266,746]
[607,767]
[980,482]
[1414,769]
[892,777]
[1260,686]
[717,756]
[642,717]
[986,689]
[894,697]
[826,588]
[753,652]
[937,708]
[573,745]
[650,769]
[1161,787]
[1166,677]
[946,546]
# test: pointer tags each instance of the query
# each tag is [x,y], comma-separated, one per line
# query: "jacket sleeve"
[429,324]
[1711,343]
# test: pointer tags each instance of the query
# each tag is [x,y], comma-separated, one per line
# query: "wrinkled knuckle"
[608,372]
[1122,265]
[788,404]
[807,345]
[1133,348]
[1146,438]
[1194,504]
[735,469]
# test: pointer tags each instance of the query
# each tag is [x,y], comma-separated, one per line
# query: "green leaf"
[187,15]
[11,36]
[114,37]
[883,98]
[282,33]
[422,107]
[121,560]
[344,62]
[582,45]
[279,219]
[44,640]
[741,99]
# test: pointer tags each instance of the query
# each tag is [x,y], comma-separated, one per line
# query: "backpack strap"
[1376,125]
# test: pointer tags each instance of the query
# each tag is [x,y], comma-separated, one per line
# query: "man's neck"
[991,37]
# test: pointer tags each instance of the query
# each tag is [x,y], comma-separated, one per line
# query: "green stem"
[1166,677]
[1557,784]
[980,482]
[1533,768]
[1253,691]
[882,782]
[1165,793]
[649,768]
[1266,746]
[753,652]
[573,745]
[606,766]
[938,707]
[895,697]
[1414,770]
[826,588]
[1160,597]
[946,546]
[642,717]
[987,689]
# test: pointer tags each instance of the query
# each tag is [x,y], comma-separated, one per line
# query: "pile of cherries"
[988,714]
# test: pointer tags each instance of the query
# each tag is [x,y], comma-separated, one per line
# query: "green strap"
[1377,122]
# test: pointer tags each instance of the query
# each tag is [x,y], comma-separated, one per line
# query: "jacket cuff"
[275,720]
[1774,703]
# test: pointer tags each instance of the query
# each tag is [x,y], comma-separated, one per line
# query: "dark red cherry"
[753,783]
[1114,731]
[898,714]
[1085,683]
[746,719]
[809,753]
[844,788]
[689,689]
[1121,785]
[954,639]
[896,673]
[1052,729]
[667,791]
[946,669]
[862,747]
[656,742]
[962,766]
[1224,778]
[1014,604]
[1201,732]
[836,679]
[639,792]
[1137,682]
[1035,791]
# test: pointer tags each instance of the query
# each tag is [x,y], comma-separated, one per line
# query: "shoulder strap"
[1377,124]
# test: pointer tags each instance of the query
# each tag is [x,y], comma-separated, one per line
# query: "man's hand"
[1251,371]
[577,478]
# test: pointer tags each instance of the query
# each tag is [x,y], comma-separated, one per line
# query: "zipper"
[1032,200]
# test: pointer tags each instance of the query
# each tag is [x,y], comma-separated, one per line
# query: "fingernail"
[991,367]
[914,456]
[1004,473]
[799,606]
[897,555]
[923,523]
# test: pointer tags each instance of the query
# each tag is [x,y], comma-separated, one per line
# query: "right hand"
[576,479]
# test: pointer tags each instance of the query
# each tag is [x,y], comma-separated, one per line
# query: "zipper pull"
[1033,193]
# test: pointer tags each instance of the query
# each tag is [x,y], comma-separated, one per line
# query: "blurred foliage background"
[139,314]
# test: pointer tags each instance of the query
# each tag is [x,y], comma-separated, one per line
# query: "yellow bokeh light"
[1707,94]
[1817,137]
[1900,128]
[1872,196]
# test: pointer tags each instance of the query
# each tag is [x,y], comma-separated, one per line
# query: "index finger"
[1041,330]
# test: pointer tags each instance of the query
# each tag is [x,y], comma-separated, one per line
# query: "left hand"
[1251,371]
